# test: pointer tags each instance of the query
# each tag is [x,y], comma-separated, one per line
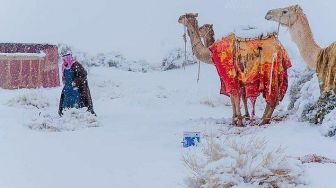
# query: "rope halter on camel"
[185,46]
[192,48]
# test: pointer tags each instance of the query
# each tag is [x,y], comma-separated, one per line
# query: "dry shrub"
[313,158]
[240,161]
[72,119]
[29,100]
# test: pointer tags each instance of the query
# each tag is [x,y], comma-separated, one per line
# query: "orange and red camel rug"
[257,65]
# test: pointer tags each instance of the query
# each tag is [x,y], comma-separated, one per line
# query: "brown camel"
[208,35]
[323,61]
[204,54]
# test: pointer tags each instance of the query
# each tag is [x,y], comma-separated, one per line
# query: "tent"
[28,65]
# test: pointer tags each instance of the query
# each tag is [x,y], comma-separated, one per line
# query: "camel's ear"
[196,15]
[211,25]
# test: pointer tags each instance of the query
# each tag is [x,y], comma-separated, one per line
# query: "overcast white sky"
[144,29]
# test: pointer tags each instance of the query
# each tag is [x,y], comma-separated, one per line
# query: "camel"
[318,59]
[204,54]
[208,35]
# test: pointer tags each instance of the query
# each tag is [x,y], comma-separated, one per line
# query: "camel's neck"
[209,39]
[302,35]
[201,52]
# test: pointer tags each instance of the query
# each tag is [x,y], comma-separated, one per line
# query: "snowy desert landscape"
[145,105]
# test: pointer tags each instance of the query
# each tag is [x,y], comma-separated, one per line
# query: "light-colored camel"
[296,21]
[322,60]
[204,54]
[207,33]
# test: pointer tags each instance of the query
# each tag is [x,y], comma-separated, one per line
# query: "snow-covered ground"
[136,141]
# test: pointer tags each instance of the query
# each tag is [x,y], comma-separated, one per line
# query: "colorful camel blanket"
[253,66]
[326,69]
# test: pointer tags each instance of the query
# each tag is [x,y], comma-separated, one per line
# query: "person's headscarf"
[68,61]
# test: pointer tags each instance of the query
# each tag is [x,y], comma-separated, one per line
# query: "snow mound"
[233,161]
[29,100]
[307,104]
[329,126]
[300,91]
[215,101]
[176,59]
[106,90]
[252,31]
[224,127]
[72,120]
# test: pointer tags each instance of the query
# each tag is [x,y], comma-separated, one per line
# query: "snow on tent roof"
[24,47]
[40,54]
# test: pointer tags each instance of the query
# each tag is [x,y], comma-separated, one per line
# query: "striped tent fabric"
[28,66]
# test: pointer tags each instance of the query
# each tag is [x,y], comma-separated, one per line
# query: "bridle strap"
[279,24]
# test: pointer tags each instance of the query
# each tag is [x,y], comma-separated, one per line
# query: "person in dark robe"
[76,92]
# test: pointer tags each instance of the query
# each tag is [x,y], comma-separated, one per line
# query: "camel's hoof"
[264,122]
[239,123]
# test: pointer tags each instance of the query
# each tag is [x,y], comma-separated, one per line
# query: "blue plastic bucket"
[191,139]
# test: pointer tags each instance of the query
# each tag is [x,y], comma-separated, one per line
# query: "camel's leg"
[239,117]
[266,110]
[234,115]
[247,115]
[253,102]
[268,116]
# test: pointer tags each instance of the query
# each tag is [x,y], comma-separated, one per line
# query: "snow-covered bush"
[306,100]
[111,59]
[30,100]
[72,119]
[304,93]
[176,59]
[118,61]
[301,80]
[307,103]
[240,161]
[329,126]
[317,112]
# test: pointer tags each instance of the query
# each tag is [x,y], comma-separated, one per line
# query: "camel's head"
[189,18]
[206,29]
[285,16]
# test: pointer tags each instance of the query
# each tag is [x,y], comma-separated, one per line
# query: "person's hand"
[73,84]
